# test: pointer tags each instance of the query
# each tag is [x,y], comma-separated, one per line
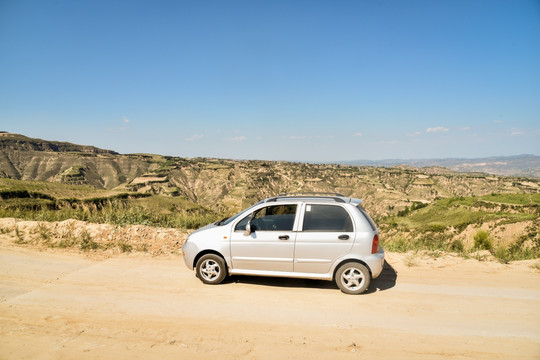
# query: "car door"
[270,245]
[327,233]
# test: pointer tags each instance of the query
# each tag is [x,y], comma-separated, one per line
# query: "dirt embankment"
[67,303]
[108,239]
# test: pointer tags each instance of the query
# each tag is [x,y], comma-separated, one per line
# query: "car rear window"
[326,218]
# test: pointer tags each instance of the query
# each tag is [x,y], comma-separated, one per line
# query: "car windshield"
[227,221]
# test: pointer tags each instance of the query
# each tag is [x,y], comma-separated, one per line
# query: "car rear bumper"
[376,263]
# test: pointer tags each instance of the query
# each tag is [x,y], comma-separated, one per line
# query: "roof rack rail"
[312,193]
[335,196]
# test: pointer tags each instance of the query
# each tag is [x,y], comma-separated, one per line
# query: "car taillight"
[375,245]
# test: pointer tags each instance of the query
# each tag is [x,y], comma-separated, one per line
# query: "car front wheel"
[211,269]
[353,278]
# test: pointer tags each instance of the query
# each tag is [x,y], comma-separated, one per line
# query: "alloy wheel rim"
[210,270]
[352,278]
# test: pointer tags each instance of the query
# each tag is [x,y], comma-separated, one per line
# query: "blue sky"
[299,80]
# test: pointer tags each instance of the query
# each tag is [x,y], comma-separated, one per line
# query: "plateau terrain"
[430,208]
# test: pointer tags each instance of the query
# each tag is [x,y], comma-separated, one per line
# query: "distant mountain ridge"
[20,142]
[525,165]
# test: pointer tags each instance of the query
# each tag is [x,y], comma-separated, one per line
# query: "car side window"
[270,218]
[327,218]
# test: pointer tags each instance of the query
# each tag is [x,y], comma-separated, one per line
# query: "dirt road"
[70,306]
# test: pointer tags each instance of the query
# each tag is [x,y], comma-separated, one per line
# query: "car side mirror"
[248,229]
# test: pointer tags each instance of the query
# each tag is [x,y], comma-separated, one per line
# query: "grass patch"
[434,243]
[435,227]
[19,238]
[116,209]
[53,190]
[437,218]
[513,199]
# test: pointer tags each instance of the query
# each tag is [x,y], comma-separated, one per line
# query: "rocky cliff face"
[227,185]
[24,158]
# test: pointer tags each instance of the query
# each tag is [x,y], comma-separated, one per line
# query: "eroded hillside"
[228,185]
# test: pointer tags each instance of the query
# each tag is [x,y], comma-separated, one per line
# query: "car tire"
[211,269]
[353,278]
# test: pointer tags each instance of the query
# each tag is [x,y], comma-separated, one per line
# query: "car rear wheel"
[211,269]
[353,278]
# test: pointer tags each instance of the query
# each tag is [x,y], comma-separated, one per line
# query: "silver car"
[314,236]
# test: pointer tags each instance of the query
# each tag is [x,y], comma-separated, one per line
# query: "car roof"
[319,197]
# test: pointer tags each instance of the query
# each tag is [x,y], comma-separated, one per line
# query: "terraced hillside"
[228,185]
[430,208]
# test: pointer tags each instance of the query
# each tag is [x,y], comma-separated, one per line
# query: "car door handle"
[283,237]
[343,237]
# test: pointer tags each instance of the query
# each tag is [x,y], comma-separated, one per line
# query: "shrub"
[124,246]
[503,254]
[86,242]
[456,246]
[44,232]
[5,230]
[404,212]
[482,240]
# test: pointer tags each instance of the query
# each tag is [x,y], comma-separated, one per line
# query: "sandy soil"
[135,306]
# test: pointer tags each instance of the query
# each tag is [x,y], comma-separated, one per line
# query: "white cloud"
[416,133]
[295,137]
[388,142]
[237,138]
[194,137]
[517,132]
[358,134]
[125,120]
[465,128]
[498,121]
[437,129]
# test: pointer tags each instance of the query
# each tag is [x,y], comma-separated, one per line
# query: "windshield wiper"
[220,222]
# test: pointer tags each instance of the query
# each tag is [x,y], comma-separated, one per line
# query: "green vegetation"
[513,199]
[437,227]
[187,194]
[432,244]
[37,202]
[19,237]
[483,241]
[50,190]
[460,212]
[86,242]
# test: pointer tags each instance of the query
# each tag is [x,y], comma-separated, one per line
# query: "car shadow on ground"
[386,280]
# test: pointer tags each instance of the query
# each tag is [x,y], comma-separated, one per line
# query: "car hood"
[209,232]
[207,227]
